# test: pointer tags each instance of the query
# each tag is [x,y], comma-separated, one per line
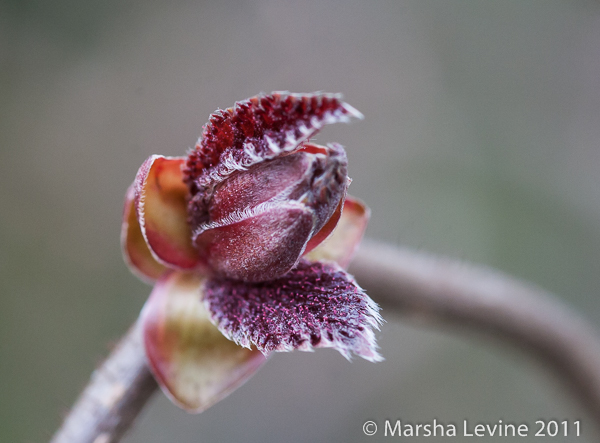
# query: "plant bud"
[255,224]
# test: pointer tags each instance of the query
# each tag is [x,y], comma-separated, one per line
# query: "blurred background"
[481,142]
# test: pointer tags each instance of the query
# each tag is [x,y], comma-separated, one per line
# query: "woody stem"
[450,293]
[115,395]
[439,291]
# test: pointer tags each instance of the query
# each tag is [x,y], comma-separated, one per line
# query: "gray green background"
[481,141]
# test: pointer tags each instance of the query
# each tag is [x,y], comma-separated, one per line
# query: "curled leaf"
[258,129]
[193,362]
[161,202]
[136,253]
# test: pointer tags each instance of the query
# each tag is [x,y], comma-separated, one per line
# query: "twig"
[450,293]
[115,395]
[443,291]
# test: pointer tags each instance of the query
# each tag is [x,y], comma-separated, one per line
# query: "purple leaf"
[316,305]
[257,129]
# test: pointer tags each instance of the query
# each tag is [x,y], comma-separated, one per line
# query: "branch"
[443,291]
[115,395]
[451,293]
